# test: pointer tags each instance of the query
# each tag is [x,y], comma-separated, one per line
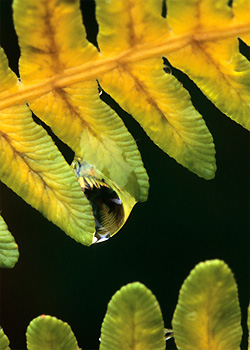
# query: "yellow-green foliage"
[59,68]
[207,317]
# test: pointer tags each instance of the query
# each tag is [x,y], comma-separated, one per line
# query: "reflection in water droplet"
[106,204]
[168,333]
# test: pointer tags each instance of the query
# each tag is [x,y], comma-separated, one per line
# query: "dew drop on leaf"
[107,207]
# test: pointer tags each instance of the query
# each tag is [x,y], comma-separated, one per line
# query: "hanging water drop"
[107,207]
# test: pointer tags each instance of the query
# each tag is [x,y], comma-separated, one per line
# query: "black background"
[185,220]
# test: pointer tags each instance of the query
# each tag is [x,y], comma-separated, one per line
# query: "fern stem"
[95,69]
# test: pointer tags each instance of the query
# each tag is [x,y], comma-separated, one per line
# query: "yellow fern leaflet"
[32,166]
[74,111]
[208,314]
[216,66]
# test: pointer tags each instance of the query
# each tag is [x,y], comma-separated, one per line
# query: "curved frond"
[59,69]
[198,37]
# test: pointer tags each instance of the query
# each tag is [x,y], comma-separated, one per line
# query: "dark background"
[186,220]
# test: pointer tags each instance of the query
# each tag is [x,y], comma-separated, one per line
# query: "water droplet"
[106,204]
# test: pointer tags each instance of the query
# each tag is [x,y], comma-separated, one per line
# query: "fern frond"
[59,69]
